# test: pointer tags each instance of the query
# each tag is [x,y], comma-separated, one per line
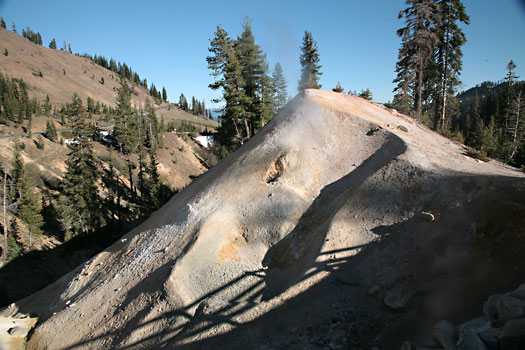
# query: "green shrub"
[474,153]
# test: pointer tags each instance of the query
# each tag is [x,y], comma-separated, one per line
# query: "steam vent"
[340,225]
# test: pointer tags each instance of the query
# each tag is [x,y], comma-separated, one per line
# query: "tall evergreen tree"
[449,55]
[266,91]
[154,190]
[227,70]
[164,94]
[511,75]
[516,125]
[183,102]
[419,37]
[75,108]
[17,170]
[253,62]
[310,67]
[28,207]
[280,85]
[125,131]
[51,132]
[80,208]
[29,210]
[2,23]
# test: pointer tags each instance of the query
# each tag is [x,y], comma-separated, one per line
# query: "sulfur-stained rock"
[17,331]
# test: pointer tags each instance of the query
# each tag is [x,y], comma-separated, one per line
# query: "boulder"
[519,292]
[509,308]
[513,335]
[489,307]
[491,338]
[476,325]
[446,334]
[471,341]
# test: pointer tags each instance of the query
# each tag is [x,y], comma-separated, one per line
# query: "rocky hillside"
[339,225]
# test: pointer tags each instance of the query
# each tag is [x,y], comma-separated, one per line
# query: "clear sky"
[167,41]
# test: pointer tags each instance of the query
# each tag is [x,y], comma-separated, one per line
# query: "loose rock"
[509,308]
[513,335]
[489,307]
[446,334]
[471,341]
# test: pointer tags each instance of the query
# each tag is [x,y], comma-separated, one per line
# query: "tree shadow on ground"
[425,265]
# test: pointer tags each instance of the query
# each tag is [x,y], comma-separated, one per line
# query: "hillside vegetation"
[54,75]
[71,130]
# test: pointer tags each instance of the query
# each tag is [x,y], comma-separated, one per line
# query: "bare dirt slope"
[63,73]
[340,224]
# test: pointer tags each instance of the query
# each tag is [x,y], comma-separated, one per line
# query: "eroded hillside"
[340,224]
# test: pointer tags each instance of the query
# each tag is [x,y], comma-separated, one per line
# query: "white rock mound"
[324,204]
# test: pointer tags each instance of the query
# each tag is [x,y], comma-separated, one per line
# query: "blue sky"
[166,41]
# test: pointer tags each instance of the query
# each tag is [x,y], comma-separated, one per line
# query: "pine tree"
[164,94]
[79,206]
[2,23]
[449,55]
[419,37]
[75,108]
[227,70]
[516,125]
[90,105]
[338,88]
[17,170]
[14,247]
[366,94]
[183,103]
[51,132]
[125,131]
[266,91]
[511,75]
[279,83]
[47,106]
[154,190]
[29,210]
[28,207]
[193,106]
[254,67]
[310,67]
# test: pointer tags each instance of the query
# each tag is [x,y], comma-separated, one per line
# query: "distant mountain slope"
[482,90]
[59,74]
